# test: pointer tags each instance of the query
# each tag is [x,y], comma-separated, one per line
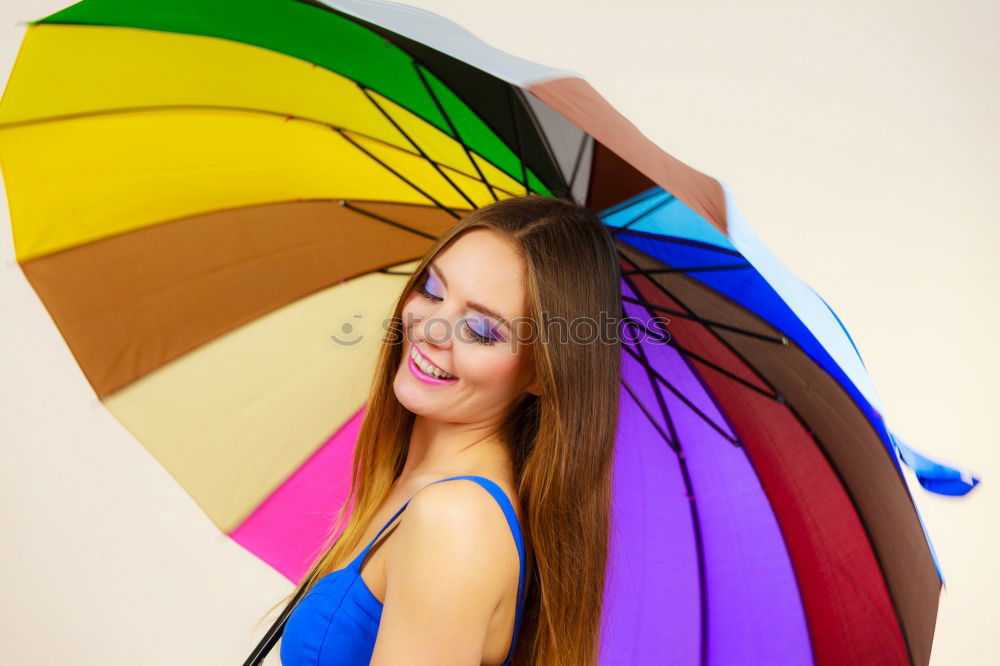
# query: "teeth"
[427,367]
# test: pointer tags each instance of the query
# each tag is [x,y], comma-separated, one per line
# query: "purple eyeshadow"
[432,285]
[486,330]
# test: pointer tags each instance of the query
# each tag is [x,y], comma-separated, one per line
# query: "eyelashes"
[421,288]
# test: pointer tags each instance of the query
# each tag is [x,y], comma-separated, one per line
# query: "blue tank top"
[336,622]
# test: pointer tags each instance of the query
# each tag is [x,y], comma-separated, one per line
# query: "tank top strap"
[361,555]
[508,511]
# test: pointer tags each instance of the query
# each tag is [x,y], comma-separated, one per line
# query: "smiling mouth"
[427,367]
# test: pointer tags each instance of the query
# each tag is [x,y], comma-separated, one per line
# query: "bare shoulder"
[464,526]
[460,501]
[447,571]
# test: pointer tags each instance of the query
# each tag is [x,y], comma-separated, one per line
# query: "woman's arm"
[444,578]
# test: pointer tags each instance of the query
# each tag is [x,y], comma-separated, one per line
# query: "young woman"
[491,420]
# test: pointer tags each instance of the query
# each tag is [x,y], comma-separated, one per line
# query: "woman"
[481,385]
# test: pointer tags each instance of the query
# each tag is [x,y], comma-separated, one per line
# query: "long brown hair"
[561,441]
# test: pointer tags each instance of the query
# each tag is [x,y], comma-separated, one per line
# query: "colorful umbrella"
[217,203]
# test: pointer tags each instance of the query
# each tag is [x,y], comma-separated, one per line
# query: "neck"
[439,450]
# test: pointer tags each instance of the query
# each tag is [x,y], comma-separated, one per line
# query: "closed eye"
[421,289]
[479,338]
[428,295]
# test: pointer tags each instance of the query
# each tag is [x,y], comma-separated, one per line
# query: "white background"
[861,142]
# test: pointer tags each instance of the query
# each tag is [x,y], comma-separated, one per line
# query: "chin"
[411,394]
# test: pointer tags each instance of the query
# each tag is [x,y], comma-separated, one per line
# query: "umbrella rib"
[879,556]
[640,356]
[545,139]
[517,139]
[413,143]
[687,352]
[635,200]
[481,119]
[649,368]
[722,341]
[649,211]
[688,487]
[707,322]
[578,160]
[458,137]
[681,397]
[286,116]
[362,211]
[649,417]
[676,240]
[417,62]
[397,174]
[690,269]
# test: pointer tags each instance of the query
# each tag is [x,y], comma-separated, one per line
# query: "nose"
[438,331]
[436,325]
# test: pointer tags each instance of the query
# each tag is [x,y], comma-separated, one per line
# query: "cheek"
[415,309]
[491,368]
[413,303]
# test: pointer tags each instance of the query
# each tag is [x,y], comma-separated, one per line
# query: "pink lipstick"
[424,377]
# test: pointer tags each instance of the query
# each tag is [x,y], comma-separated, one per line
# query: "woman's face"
[460,316]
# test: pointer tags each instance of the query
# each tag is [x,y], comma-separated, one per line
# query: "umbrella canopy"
[218,204]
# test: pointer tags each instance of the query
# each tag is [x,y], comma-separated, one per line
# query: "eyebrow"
[472,304]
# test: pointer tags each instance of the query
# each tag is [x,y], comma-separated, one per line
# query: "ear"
[534,387]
